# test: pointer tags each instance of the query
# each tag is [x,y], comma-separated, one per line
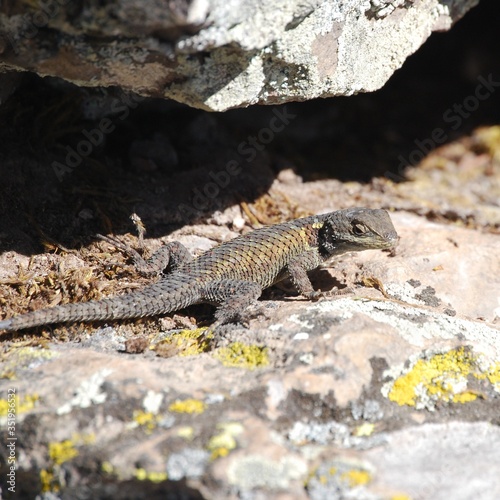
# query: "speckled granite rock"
[217,54]
[363,396]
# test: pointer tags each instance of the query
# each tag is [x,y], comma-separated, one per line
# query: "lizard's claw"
[335,292]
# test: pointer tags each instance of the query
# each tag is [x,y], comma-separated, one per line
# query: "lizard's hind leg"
[236,298]
[170,256]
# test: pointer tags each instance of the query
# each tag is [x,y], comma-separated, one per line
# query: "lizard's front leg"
[297,270]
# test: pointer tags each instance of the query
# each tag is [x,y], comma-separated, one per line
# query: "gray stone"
[224,54]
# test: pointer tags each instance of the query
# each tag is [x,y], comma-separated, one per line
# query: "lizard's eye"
[359,229]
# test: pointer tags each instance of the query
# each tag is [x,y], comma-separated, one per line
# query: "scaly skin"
[233,274]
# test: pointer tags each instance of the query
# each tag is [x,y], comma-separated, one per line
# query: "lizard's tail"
[150,301]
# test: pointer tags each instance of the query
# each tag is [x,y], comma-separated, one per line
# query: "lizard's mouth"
[392,240]
[380,241]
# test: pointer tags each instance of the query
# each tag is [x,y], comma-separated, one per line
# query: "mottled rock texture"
[221,54]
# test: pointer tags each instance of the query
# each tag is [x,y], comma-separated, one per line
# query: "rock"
[377,394]
[433,475]
[219,55]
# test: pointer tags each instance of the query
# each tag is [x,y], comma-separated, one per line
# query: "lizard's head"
[356,229]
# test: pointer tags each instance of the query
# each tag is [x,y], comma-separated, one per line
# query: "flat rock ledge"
[220,54]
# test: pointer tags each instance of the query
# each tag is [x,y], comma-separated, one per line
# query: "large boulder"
[222,54]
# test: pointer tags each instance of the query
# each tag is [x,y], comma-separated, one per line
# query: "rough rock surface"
[391,392]
[222,54]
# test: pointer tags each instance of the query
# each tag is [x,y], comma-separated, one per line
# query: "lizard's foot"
[334,292]
[226,316]
[315,295]
[139,262]
[237,299]
[253,311]
[171,255]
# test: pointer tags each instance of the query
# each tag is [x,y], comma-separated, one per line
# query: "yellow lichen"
[21,355]
[493,375]
[400,497]
[221,444]
[154,477]
[341,475]
[243,355]
[442,377]
[356,477]
[18,405]
[8,374]
[145,419]
[29,353]
[464,397]
[186,432]
[62,451]
[187,406]
[107,467]
[49,482]
[363,430]
[184,343]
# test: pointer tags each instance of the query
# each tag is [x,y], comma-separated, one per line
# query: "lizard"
[233,274]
